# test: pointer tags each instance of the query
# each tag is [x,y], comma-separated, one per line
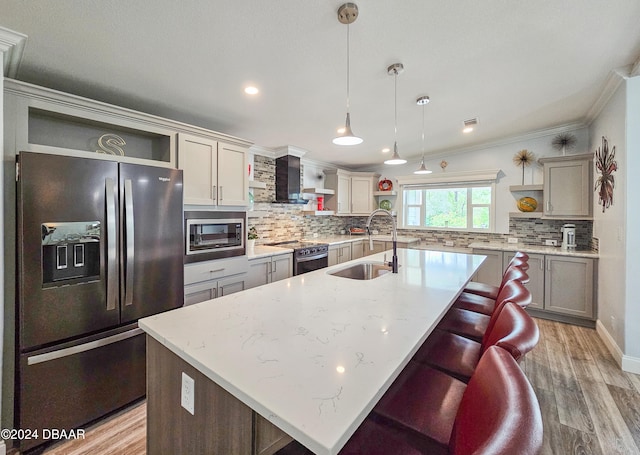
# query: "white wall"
[632,310]
[609,226]
[499,156]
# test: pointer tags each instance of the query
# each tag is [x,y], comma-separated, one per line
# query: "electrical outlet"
[315,235]
[448,243]
[187,398]
[551,242]
[374,232]
[512,240]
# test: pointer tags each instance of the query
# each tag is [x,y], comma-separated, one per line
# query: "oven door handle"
[312,258]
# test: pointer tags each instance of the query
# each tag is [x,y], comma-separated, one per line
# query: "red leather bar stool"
[496,413]
[514,330]
[489,291]
[486,305]
[471,324]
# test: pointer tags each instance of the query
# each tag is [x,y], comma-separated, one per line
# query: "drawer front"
[211,270]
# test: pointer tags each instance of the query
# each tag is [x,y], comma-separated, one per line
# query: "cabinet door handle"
[274,267]
[213,193]
[541,265]
[216,270]
[221,197]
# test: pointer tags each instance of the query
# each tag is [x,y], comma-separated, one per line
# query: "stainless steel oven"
[214,235]
[307,256]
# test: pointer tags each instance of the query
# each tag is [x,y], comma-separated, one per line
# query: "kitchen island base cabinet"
[212,279]
[339,253]
[220,423]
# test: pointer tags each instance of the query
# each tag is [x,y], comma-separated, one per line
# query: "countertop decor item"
[385,204]
[385,185]
[527,204]
[523,158]
[564,142]
[605,166]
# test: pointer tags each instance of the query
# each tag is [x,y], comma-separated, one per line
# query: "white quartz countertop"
[314,353]
[534,249]
[261,251]
[342,238]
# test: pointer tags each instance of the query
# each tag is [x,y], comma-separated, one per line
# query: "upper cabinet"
[215,173]
[42,120]
[353,192]
[568,187]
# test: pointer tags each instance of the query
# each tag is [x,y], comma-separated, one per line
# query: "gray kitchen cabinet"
[357,249]
[269,269]
[536,277]
[567,186]
[215,173]
[211,279]
[339,253]
[569,286]
[490,271]
[207,290]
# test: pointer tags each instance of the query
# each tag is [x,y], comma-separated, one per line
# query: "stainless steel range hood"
[288,188]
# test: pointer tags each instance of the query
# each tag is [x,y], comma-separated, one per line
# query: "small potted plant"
[252,235]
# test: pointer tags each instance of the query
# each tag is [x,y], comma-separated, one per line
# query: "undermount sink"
[363,271]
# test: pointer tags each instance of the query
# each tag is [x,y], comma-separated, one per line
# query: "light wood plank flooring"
[589,406]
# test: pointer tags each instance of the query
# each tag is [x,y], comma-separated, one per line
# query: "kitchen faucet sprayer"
[394,238]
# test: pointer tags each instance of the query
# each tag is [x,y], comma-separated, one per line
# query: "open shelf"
[385,193]
[525,214]
[318,191]
[318,212]
[519,188]
[256,184]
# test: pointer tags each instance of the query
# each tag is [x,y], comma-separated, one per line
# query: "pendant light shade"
[422,101]
[394,70]
[347,14]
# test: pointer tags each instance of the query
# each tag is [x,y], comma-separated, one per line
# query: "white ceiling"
[519,66]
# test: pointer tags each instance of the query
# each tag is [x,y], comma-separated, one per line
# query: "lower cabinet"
[211,279]
[358,249]
[269,269]
[490,271]
[339,253]
[562,287]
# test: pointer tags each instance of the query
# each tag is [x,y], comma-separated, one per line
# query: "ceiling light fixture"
[347,14]
[469,125]
[422,101]
[394,70]
[250,90]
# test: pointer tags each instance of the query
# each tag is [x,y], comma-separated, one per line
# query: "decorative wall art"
[563,142]
[523,158]
[111,144]
[605,166]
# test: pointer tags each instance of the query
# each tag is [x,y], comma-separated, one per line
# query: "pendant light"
[394,70]
[422,101]
[347,14]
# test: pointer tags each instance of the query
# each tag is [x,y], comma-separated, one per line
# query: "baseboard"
[626,363]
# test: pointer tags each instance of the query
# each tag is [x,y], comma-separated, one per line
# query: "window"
[448,207]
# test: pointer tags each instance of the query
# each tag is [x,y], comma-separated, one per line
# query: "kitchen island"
[309,356]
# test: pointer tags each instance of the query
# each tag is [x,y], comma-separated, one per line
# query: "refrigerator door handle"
[112,252]
[60,353]
[130,247]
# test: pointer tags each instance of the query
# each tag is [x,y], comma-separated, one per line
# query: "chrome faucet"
[394,238]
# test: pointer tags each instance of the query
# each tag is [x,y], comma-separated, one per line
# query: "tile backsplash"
[281,222]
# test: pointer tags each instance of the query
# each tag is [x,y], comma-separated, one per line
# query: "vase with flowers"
[252,235]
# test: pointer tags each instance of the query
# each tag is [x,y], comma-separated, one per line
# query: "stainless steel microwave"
[214,235]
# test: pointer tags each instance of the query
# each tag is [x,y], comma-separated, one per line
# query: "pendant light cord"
[395,106]
[348,46]
[423,133]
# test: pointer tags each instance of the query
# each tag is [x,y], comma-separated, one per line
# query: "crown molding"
[506,140]
[12,46]
[614,79]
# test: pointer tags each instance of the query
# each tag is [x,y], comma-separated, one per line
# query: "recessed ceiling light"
[469,125]
[251,90]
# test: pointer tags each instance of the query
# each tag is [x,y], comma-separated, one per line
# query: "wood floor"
[589,406]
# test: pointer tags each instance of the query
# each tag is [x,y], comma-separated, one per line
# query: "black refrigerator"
[100,245]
